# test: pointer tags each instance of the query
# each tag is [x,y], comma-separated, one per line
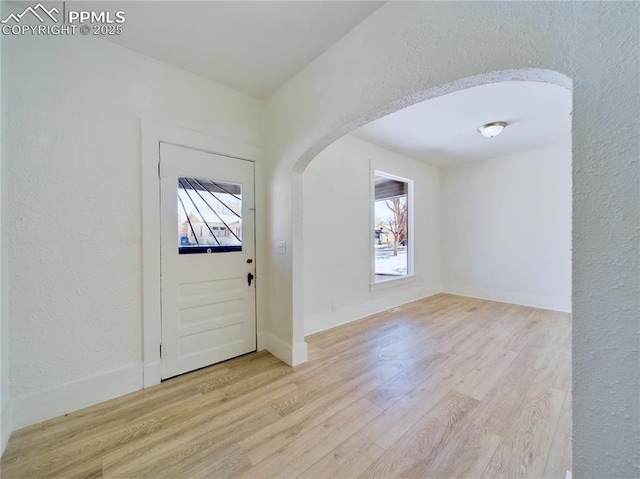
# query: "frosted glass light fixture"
[492,129]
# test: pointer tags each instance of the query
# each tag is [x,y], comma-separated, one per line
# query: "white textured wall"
[402,54]
[6,425]
[74,112]
[606,242]
[506,229]
[337,233]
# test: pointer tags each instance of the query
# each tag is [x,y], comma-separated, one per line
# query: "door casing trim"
[152,134]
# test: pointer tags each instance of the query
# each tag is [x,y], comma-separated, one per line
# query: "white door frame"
[154,133]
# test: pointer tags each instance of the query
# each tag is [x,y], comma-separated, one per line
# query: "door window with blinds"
[391,209]
[209,216]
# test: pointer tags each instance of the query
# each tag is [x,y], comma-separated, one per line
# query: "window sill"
[391,283]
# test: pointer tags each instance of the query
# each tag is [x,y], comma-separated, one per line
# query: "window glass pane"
[209,216]
[391,230]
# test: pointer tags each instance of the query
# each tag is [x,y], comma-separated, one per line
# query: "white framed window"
[392,225]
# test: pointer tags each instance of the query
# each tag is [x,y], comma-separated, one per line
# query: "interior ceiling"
[256,46]
[443,131]
[250,46]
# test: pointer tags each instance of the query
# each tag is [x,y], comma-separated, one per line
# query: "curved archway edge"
[524,74]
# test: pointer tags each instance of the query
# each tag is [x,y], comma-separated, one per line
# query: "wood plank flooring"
[446,387]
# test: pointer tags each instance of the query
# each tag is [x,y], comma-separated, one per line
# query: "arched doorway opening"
[298,272]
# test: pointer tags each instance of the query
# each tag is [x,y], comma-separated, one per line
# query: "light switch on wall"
[281,248]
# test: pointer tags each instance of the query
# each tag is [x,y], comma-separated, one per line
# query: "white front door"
[207,258]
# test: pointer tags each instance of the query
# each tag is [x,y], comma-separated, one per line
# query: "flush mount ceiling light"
[492,129]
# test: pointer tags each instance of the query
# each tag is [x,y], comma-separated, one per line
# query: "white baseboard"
[76,395]
[291,354]
[299,353]
[263,340]
[511,297]
[390,299]
[6,426]
[152,374]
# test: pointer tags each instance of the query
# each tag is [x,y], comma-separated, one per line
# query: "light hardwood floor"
[447,387]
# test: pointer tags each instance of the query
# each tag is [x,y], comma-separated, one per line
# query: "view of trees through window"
[391,231]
